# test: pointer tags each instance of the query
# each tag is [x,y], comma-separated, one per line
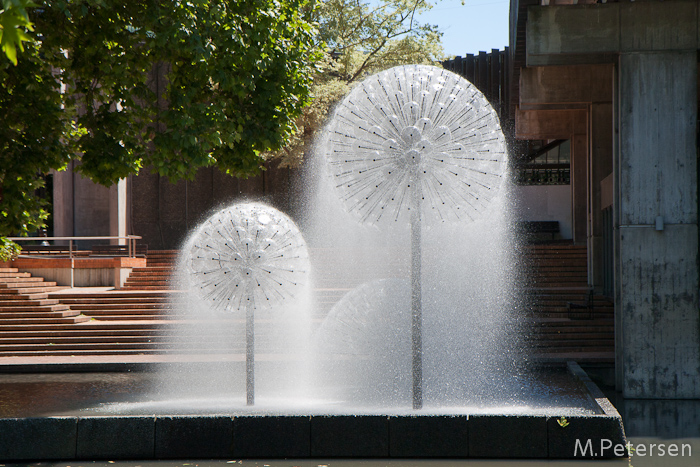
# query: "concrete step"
[553,332]
[562,293]
[563,260]
[122,311]
[115,294]
[563,279]
[43,321]
[558,260]
[31,308]
[26,296]
[165,267]
[157,272]
[159,275]
[579,313]
[151,275]
[20,280]
[149,281]
[3,270]
[561,283]
[573,315]
[33,290]
[117,302]
[582,339]
[568,270]
[8,316]
[101,341]
[14,274]
[56,348]
[90,325]
[79,352]
[21,283]
[85,330]
[564,275]
[130,317]
[579,308]
[579,344]
[27,302]
[565,321]
[146,279]
[552,307]
[566,353]
[117,306]
[558,302]
[554,251]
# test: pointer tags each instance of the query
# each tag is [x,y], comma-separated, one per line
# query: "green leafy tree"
[359,39]
[173,85]
[14,27]
[369,37]
[37,134]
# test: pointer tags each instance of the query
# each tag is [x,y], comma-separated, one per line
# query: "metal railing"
[130,239]
[542,174]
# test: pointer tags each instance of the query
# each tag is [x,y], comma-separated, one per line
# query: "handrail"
[131,242]
[94,237]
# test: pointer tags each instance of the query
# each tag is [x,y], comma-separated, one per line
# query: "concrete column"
[579,183]
[91,207]
[118,211]
[63,202]
[81,207]
[655,176]
[600,167]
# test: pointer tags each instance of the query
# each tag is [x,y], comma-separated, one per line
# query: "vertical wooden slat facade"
[489,73]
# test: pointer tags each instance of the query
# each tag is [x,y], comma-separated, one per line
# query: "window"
[551,165]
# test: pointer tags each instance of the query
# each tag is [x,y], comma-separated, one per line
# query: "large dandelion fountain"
[421,143]
[246,258]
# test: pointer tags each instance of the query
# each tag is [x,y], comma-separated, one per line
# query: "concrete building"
[152,207]
[619,80]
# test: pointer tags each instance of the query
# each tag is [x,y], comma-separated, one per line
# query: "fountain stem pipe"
[250,354]
[416,299]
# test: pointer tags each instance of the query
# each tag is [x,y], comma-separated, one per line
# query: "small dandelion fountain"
[419,142]
[245,258]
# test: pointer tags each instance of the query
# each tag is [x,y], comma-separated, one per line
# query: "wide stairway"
[59,321]
[28,315]
[158,273]
[39,319]
[570,321]
[24,301]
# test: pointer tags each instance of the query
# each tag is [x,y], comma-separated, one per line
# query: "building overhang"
[594,34]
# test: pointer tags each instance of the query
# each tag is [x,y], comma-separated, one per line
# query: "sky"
[476,25]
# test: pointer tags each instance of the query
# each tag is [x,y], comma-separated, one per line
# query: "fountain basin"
[83,431]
